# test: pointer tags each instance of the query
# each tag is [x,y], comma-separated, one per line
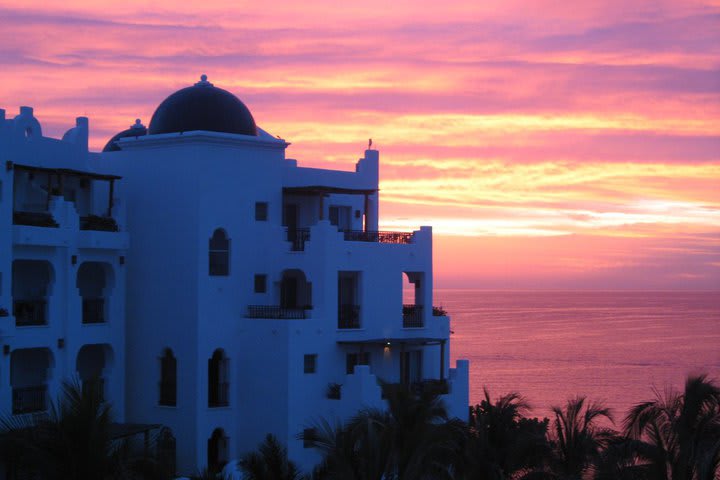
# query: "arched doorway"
[218,385]
[217,450]
[295,290]
[93,366]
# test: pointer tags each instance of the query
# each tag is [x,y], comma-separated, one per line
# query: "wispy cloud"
[587,138]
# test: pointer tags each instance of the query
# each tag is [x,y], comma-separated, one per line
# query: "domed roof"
[202,107]
[136,130]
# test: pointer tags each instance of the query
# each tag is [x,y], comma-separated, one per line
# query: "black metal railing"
[278,312]
[94,388]
[378,237]
[168,394]
[428,386]
[30,312]
[297,238]
[93,310]
[349,316]
[34,219]
[413,316]
[218,395]
[96,222]
[439,312]
[29,399]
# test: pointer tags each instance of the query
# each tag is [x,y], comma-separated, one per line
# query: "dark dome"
[137,130]
[202,107]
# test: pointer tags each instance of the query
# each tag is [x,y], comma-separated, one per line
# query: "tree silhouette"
[679,433]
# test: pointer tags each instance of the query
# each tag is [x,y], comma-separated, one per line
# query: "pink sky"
[550,144]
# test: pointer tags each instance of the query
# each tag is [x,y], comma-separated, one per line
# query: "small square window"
[310,363]
[260,283]
[261,211]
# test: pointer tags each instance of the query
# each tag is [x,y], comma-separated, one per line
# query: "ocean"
[613,347]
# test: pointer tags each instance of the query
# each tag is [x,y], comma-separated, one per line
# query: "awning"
[327,190]
[65,171]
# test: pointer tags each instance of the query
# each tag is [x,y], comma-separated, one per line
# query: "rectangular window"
[353,359]
[310,363]
[261,211]
[260,283]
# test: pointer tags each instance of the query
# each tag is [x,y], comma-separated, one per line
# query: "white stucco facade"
[244,295]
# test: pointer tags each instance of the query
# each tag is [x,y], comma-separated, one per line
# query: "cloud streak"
[585,138]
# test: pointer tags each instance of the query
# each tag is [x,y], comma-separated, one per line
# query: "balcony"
[93,310]
[378,237]
[30,312]
[218,395]
[297,238]
[96,222]
[29,399]
[277,312]
[349,316]
[34,219]
[413,316]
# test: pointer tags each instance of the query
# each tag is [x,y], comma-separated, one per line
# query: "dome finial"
[138,124]
[204,81]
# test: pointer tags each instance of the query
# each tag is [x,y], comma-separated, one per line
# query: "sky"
[550,144]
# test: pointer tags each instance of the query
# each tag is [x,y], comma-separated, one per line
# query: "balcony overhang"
[66,172]
[314,190]
[60,173]
[389,342]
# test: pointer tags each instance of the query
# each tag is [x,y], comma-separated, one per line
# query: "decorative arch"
[95,281]
[32,285]
[168,379]
[94,365]
[219,254]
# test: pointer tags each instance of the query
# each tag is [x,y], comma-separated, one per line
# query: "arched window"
[219,254]
[168,379]
[217,450]
[218,385]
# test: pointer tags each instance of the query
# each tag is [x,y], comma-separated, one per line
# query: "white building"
[258,294]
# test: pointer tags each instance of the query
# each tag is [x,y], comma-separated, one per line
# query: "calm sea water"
[611,346]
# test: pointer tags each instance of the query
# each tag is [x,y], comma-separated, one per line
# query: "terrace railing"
[29,399]
[30,312]
[413,316]
[34,219]
[277,312]
[297,238]
[96,222]
[349,316]
[378,237]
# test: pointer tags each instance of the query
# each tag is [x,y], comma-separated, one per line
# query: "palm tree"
[270,462]
[502,441]
[358,450]
[577,441]
[412,439]
[72,441]
[679,433]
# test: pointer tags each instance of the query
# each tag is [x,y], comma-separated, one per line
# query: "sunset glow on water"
[613,347]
